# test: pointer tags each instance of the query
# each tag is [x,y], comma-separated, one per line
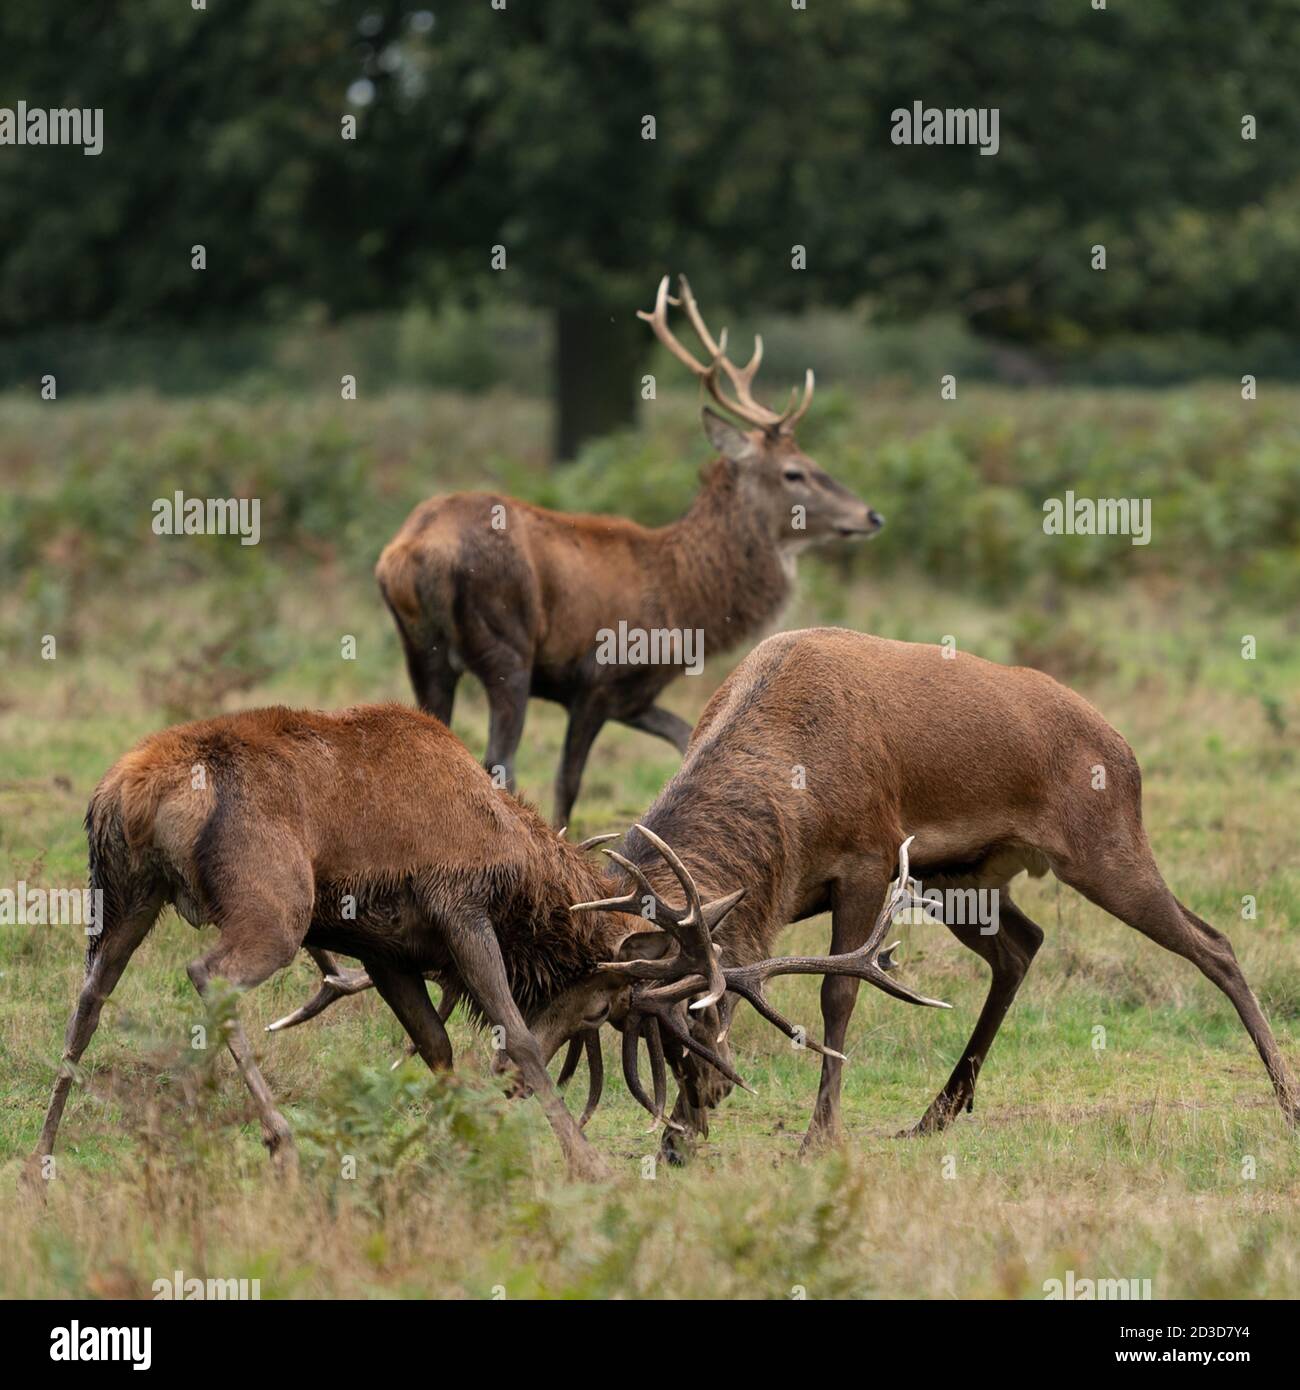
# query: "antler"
[869,962]
[690,927]
[744,406]
[587,1041]
[662,987]
[337,984]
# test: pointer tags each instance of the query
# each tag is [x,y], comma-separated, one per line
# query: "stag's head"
[665,978]
[800,501]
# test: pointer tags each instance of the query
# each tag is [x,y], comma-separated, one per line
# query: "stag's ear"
[730,442]
[645,945]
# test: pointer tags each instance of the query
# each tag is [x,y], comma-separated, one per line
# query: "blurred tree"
[523,127]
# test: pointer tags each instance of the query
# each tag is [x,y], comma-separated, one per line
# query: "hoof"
[819,1141]
[32,1185]
[284,1156]
[589,1167]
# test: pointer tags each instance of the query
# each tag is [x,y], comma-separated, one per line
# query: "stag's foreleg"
[1009,950]
[477,954]
[407,995]
[855,902]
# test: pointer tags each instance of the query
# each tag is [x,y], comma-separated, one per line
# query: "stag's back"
[872,738]
[371,790]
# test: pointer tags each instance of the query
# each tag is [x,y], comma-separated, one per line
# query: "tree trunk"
[598,353]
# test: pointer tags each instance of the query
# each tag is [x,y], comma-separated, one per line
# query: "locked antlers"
[662,986]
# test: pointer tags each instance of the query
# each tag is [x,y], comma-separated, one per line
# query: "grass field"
[1160,1154]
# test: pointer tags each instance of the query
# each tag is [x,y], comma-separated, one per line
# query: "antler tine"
[694,914]
[595,1074]
[588,1041]
[658,320]
[792,417]
[900,895]
[333,988]
[862,964]
[687,301]
[570,1064]
[671,919]
[660,1008]
[624,902]
[693,931]
[634,1027]
[754,995]
[592,841]
[745,405]
[654,1045]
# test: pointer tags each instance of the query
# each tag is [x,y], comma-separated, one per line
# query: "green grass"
[1123,1161]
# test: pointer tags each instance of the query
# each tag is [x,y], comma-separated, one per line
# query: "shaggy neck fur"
[725,844]
[723,570]
[547,948]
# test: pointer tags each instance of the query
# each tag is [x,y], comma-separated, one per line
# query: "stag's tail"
[117,823]
[419,591]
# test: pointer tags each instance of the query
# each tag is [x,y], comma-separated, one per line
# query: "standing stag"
[375,833]
[520,595]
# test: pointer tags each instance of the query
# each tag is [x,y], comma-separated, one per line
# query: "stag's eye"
[795,475]
[598,1015]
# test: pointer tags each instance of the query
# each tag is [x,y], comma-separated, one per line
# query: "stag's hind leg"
[662,723]
[434,680]
[1009,951]
[507,696]
[115,948]
[263,923]
[586,718]
[1141,898]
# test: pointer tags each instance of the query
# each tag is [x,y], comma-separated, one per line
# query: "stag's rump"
[507,584]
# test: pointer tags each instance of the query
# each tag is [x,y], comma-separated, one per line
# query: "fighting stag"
[694,977]
[819,749]
[520,596]
[372,832]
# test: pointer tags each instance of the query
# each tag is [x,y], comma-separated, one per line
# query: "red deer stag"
[825,746]
[532,601]
[375,833]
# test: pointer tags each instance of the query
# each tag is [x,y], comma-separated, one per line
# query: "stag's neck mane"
[723,571]
[527,899]
[726,842]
